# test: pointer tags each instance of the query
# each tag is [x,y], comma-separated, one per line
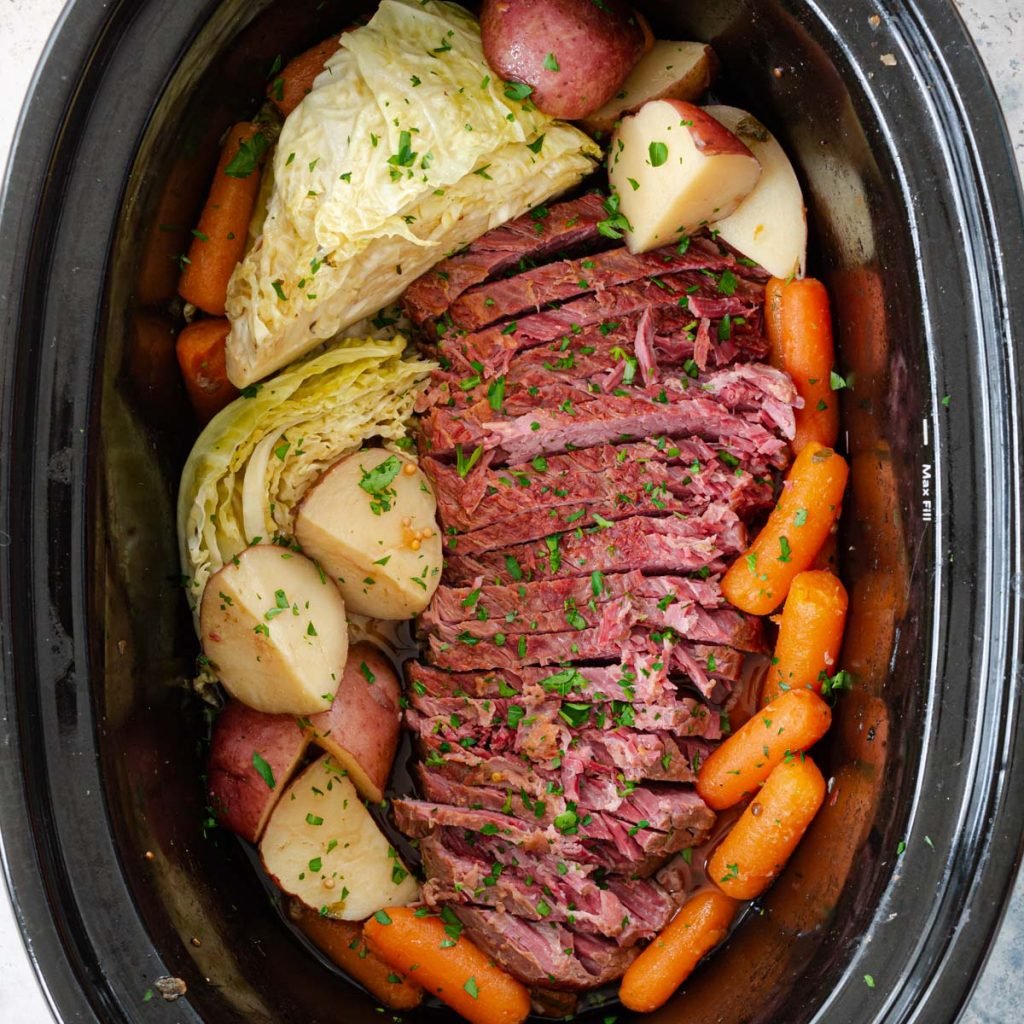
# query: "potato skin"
[595,48]
[240,796]
[361,728]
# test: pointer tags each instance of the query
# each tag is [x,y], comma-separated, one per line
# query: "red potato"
[675,169]
[574,54]
[322,846]
[252,758]
[273,626]
[770,225]
[360,731]
[670,71]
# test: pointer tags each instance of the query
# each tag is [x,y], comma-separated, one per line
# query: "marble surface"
[998,28]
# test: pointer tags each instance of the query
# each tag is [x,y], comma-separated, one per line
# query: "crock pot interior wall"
[867,244]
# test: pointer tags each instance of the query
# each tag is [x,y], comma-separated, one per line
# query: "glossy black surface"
[919,232]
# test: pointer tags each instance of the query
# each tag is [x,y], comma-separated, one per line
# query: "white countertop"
[998,28]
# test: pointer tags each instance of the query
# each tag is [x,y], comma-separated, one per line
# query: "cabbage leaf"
[406,149]
[256,459]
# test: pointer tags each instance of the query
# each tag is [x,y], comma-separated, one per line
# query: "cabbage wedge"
[406,150]
[255,461]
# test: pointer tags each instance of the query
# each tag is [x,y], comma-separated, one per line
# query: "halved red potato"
[770,225]
[371,522]
[273,626]
[322,846]
[572,54]
[360,731]
[252,759]
[670,71]
[676,169]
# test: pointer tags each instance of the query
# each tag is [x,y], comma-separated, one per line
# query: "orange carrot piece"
[343,942]
[455,971]
[789,725]
[668,961]
[219,240]
[748,859]
[810,635]
[758,581]
[295,82]
[202,357]
[799,324]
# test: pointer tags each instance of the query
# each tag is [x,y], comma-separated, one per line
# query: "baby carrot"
[668,961]
[343,942]
[766,834]
[810,634]
[759,581]
[219,240]
[799,324]
[791,724]
[201,356]
[450,967]
[294,83]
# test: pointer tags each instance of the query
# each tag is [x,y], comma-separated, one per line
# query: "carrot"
[201,356]
[759,581]
[799,325]
[766,834]
[219,240]
[295,82]
[343,942]
[668,961]
[810,634]
[791,724]
[447,965]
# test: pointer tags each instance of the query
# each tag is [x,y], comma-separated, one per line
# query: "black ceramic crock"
[918,230]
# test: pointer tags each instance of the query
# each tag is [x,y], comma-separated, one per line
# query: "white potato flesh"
[274,628]
[770,225]
[675,169]
[371,523]
[669,71]
[322,846]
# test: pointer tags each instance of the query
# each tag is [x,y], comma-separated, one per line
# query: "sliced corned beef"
[469,653]
[601,826]
[613,496]
[566,895]
[683,717]
[536,523]
[489,495]
[568,279]
[656,756]
[547,955]
[494,347]
[530,794]
[613,355]
[458,604]
[641,675]
[639,543]
[588,420]
[611,621]
[535,235]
